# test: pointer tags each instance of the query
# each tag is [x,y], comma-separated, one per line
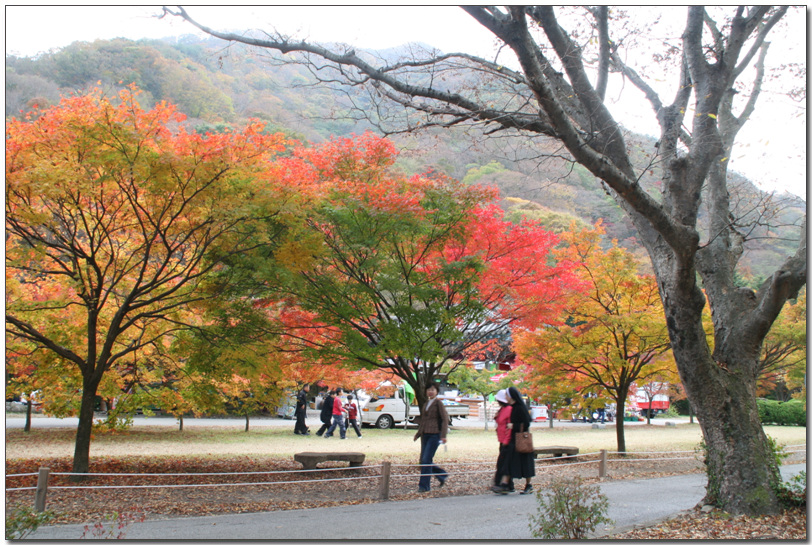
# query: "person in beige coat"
[432,432]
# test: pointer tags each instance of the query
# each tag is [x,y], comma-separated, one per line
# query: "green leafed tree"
[403,274]
[485,382]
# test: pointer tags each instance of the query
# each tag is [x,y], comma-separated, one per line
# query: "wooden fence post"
[386,468]
[42,489]
[602,465]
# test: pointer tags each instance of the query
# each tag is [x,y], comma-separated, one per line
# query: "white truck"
[386,412]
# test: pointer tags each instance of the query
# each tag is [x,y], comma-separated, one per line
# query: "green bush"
[793,492]
[789,413]
[569,510]
[681,406]
[21,521]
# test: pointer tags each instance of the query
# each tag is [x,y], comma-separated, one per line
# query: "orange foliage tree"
[115,218]
[615,334]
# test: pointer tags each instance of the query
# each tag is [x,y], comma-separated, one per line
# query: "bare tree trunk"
[742,474]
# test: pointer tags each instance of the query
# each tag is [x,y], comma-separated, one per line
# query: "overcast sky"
[771,150]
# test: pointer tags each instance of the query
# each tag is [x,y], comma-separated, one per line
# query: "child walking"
[352,414]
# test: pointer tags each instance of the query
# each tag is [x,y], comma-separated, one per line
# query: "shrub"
[681,406]
[21,521]
[570,509]
[113,526]
[789,413]
[793,492]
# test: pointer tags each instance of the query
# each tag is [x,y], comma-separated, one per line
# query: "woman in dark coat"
[522,464]
[517,465]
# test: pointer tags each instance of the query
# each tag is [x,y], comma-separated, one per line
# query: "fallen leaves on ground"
[790,524]
[268,484]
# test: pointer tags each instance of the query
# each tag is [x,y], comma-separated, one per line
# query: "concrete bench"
[309,460]
[555,451]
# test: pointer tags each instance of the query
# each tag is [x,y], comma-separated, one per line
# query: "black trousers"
[502,467]
[324,426]
[300,426]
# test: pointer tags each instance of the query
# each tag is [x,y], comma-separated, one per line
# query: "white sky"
[771,149]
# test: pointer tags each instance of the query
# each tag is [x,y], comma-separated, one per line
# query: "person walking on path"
[503,433]
[432,432]
[521,464]
[352,415]
[338,416]
[326,415]
[301,412]
[517,465]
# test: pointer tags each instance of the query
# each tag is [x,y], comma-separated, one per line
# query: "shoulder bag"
[524,442]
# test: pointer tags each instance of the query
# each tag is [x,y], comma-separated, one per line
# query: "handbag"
[524,442]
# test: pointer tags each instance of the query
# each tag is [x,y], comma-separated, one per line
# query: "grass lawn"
[276,442]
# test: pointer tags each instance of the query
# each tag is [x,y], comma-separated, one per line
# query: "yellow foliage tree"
[615,333]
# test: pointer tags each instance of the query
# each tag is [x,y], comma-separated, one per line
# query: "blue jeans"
[428,447]
[338,420]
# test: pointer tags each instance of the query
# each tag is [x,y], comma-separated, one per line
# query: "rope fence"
[384,475]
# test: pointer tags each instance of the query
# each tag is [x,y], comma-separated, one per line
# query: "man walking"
[326,413]
[301,412]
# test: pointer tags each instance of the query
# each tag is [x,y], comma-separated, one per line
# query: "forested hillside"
[219,87]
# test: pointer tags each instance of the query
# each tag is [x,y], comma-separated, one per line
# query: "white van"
[386,412]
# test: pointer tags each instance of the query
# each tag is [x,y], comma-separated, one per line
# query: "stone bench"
[555,451]
[309,460]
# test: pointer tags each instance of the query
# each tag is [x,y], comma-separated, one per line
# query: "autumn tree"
[403,274]
[554,391]
[485,382]
[615,334]
[783,356]
[553,83]
[120,220]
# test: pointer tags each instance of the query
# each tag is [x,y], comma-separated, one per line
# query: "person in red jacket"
[352,414]
[338,416]
[503,434]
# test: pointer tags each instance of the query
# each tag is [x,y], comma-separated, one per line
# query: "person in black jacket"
[522,464]
[301,412]
[518,465]
[326,413]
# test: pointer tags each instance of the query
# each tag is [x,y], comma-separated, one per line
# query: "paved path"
[483,517]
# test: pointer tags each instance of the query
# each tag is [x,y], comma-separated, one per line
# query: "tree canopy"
[114,222]
[614,338]
[403,273]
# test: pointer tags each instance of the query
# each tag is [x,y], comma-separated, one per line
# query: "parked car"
[385,413]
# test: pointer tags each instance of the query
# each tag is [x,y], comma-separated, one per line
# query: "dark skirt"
[518,465]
